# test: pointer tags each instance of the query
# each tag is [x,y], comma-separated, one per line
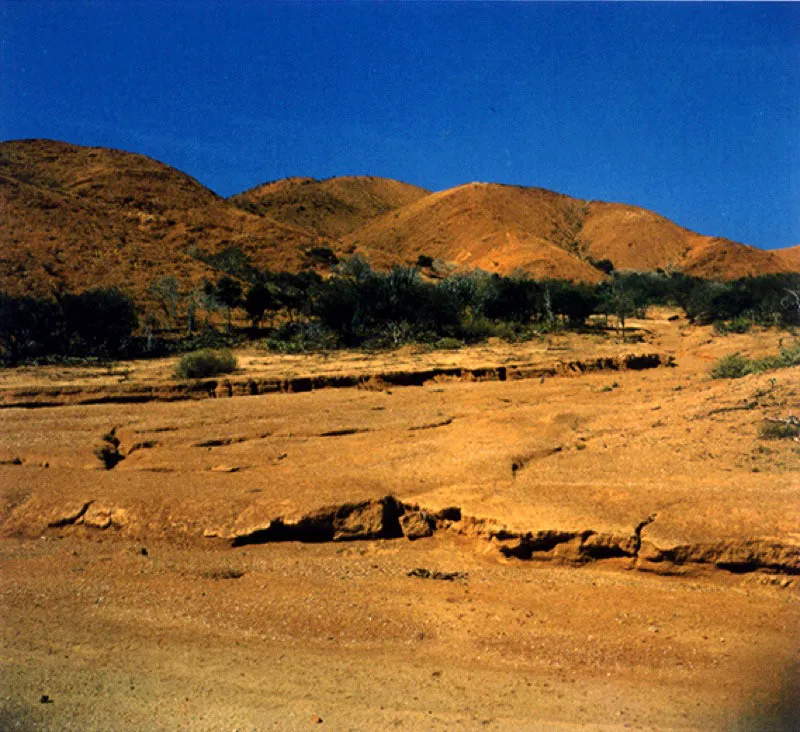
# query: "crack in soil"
[637,533]
[521,461]
[432,425]
[108,452]
[344,432]
[224,441]
[144,445]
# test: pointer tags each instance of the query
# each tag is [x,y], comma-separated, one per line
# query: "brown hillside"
[330,208]
[487,226]
[716,258]
[790,256]
[634,238]
[506,228]
[75,217]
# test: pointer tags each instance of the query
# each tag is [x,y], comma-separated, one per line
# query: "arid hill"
[506,228]
[491,227]
[330,208]
[76,217]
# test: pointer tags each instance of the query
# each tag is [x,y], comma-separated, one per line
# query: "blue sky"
[689,109]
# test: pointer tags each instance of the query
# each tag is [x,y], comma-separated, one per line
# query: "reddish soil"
[506,229]
[593,548]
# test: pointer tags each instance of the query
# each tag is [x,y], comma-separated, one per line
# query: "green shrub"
[448,344]
[733,366]
[207,362]
[324,255]
[300,338]
[783,430]
[740,324]
[789,356]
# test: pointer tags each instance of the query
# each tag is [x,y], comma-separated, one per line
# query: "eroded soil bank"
[582,548]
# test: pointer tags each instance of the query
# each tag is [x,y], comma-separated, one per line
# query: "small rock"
[416,525]
[98,517]
[316,719]
[368,520]
[226,469]
[422,573]
[45,699]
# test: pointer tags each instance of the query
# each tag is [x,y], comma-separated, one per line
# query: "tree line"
[361,307]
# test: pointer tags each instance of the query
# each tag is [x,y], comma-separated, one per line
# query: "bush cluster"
[205,363]
[98,322]
[779,430]
[735,366]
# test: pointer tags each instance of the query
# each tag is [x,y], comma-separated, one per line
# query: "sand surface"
[607,548]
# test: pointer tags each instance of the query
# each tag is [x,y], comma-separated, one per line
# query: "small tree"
[791,302]
[618,302]
[258,300]
[604,265]
[166,292]
[575,302]
[99,321]
[228,293]
[28,327]
[296,292]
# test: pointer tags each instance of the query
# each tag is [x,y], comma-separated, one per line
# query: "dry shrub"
[206,362]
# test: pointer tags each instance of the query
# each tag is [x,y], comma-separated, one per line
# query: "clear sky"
[689,109]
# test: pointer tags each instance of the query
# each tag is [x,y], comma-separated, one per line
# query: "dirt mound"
[330,208]
[76,217]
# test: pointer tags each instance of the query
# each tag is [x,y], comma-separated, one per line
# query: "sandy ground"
[625,553]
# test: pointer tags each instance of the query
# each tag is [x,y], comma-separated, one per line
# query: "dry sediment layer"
[229,387]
